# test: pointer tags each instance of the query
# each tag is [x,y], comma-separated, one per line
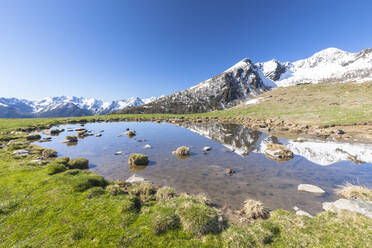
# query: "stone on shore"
[353,205]
[136,179]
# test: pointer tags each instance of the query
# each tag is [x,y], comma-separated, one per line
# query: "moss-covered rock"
[54,168]
[79,163]
[49,153]
[138,159]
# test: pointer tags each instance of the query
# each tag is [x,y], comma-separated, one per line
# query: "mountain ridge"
[64,106]
[245,80]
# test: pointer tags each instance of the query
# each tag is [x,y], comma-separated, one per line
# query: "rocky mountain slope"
[64,106]
[225,90]
[245,80]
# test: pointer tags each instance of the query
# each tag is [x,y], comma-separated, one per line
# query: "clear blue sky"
[116,49]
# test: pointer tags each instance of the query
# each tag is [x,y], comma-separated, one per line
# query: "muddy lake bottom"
[326,165]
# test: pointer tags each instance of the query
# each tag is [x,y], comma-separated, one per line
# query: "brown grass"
[351,191]
[253,209]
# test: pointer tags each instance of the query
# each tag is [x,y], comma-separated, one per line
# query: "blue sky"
[117,49]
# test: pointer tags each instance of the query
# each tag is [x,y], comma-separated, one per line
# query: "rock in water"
[147,146]
[207,148]
[353,205]
[119,153]
[310,188]
[278,152]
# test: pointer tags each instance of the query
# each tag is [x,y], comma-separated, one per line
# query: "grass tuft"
[350,191]
[253,210]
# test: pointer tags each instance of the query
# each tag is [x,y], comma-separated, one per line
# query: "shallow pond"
[326,165]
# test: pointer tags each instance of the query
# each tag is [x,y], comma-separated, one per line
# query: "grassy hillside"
[332,103]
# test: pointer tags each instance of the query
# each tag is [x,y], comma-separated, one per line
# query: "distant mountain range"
[64,106]
[245,80]
[237,84]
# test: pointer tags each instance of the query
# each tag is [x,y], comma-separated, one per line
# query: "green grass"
[76,208]
[72,209]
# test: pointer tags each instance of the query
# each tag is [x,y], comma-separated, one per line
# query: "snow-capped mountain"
[64,106]
[245,80]
[233,86]
[329,65]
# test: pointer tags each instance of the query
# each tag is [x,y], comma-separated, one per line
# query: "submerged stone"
[310,188]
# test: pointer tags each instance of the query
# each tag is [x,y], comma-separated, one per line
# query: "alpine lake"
[324,164]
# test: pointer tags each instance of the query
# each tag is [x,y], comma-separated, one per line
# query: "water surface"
[233,146]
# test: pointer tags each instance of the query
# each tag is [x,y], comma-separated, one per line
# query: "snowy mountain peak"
[329,65]
[63,106]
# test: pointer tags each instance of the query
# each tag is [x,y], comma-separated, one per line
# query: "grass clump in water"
[78,163]
[183,151]
[138,159]
[351,191]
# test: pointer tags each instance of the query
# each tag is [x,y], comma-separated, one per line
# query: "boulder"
[353,205]
[147,146]
[310,189]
